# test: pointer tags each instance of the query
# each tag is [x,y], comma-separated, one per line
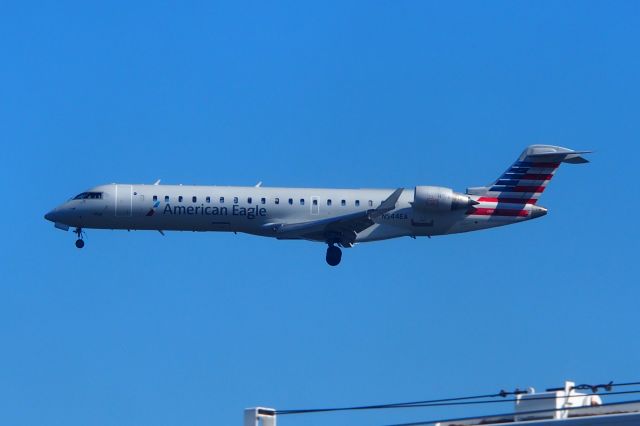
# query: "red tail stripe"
[497,212]
[536,177]
[527,189]
[508,200]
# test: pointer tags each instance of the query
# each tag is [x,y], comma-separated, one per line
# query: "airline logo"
[202,210]
[521,185]
[152,211]
[524,181]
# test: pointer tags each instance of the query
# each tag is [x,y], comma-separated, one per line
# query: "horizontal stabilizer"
[575,159]
[572,157]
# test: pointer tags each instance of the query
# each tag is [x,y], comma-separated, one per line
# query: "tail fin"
[527,178]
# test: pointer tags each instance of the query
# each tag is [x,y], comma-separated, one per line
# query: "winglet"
[157,182]
[390,203]
[259,184]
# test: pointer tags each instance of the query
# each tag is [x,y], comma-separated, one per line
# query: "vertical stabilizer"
[527,178]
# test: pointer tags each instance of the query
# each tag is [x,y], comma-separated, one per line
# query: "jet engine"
[439,199]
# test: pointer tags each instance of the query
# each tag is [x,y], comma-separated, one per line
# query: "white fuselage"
[254,210]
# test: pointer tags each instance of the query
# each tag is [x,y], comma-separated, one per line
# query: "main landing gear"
[79,241]
[334,255]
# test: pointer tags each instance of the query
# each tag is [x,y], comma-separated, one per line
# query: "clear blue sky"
[188,329]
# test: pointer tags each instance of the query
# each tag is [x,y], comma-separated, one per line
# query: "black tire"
[79,243]
[334,255]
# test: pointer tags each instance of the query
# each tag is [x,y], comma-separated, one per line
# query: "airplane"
[336,217]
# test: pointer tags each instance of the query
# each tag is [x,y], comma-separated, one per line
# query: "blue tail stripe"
[508,175]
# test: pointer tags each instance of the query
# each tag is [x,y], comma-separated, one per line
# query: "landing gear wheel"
[79,241]
[334,255]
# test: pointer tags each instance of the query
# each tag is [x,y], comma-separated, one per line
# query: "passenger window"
[357,203]
[194,199]
[302,201]
[328,202]
[180,199]
[370,203]
[166,198]
[221,200]
[343,202]
[277,200]
[290,200]
[155,198]
[263,201]
[315,202]
[235,200]
[208,199]
[249,200]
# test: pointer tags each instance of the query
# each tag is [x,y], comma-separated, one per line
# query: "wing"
[338,229]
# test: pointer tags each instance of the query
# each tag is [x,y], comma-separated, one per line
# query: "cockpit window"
[89,195]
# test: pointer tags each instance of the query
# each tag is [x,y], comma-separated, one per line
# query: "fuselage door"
[315,206]
[124,200]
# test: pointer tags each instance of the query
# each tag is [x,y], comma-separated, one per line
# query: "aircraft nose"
[51,216]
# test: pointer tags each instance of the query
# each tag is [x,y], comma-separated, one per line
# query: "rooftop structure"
[555,407]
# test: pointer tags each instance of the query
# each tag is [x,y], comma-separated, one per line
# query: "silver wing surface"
[337,229]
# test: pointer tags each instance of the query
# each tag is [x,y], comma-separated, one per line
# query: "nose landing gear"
[334,255]
[79,241]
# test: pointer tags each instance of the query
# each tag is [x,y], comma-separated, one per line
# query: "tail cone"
[537,211]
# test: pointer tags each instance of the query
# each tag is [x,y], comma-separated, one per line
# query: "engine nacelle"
[439,199]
